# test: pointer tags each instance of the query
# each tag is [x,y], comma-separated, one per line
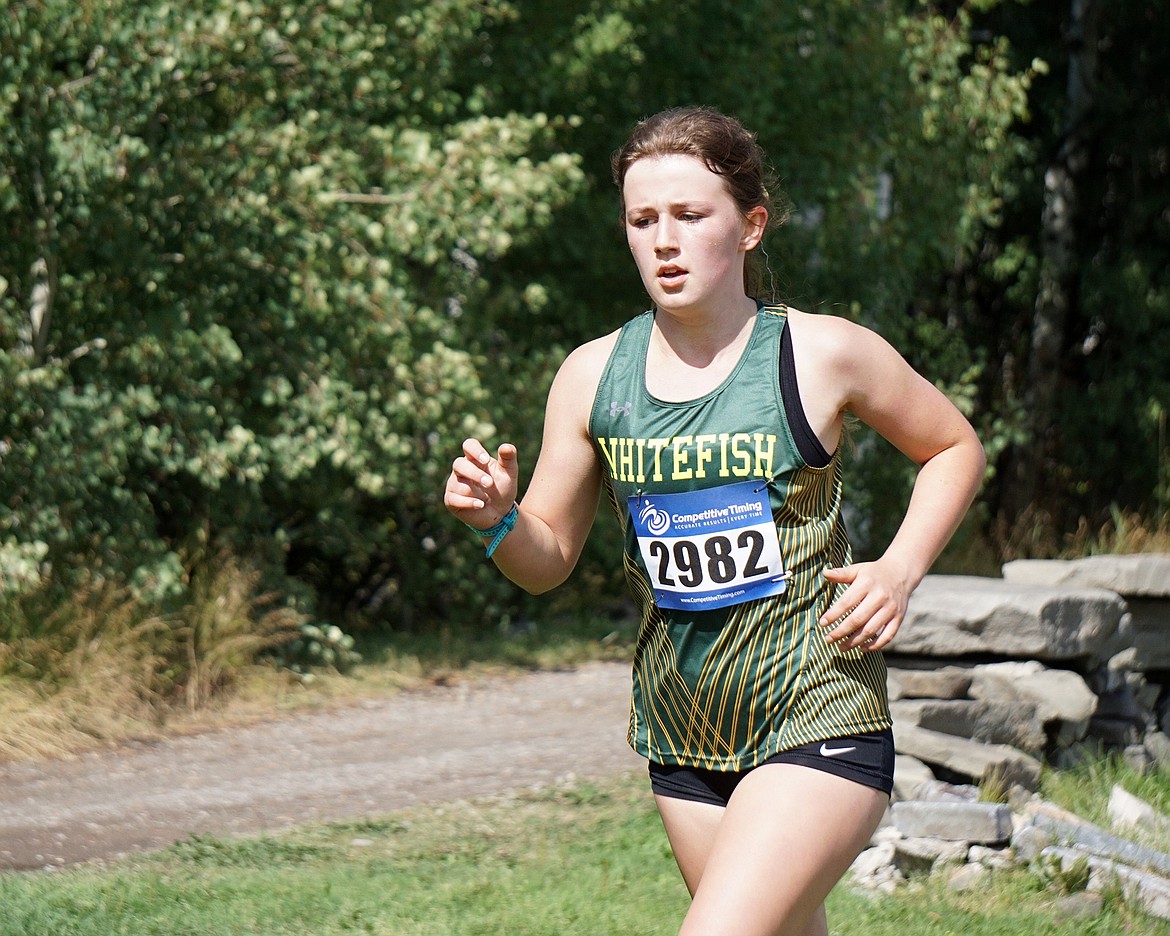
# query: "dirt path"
[376,757]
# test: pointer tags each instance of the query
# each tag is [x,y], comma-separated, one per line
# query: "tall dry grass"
[105,666]
[1034,535]
[1123,532]
[225,628]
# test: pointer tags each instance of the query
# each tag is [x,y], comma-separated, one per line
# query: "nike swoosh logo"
[827,751]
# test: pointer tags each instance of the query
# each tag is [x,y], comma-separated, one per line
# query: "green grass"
[1085,790]
[526,865]
[582,859]
[1012,905]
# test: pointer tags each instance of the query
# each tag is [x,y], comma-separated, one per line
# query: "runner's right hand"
[481,489]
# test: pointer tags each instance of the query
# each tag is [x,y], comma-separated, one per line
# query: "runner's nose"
[665,238]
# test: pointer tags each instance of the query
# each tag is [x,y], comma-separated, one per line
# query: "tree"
[1058,267]
[239,243]
[1070,304]
[893,130]
[267,265]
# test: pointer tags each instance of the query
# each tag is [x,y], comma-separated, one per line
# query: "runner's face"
[686,232]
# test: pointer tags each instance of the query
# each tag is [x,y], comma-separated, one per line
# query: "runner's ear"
[755,221]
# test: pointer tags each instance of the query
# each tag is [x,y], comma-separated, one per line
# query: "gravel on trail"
[443,743]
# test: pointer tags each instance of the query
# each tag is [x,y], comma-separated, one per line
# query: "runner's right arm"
[560,504]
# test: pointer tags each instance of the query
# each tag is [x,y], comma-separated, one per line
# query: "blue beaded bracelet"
[500,530]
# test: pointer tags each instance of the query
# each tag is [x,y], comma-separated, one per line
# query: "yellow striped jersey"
[730,665]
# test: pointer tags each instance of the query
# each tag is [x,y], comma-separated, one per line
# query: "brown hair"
[724,145]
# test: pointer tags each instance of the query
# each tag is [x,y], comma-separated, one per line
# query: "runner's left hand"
[870,611]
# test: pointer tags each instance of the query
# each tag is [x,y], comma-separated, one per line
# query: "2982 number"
[717,563]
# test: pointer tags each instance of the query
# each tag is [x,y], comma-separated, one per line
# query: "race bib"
[709,549]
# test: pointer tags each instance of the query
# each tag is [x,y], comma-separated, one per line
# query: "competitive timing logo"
[656,521]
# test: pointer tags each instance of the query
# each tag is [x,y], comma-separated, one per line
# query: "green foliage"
[319,646]
[266,265]
[205,851]
[1085,790]
[893,131]
[224,628]
[474,868]
[1112,367]
[245,244]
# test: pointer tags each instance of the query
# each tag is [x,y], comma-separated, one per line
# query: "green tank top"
[730,666]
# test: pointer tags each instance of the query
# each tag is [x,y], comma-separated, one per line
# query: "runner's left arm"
[914,415]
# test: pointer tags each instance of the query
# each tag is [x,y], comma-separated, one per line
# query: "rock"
[1037,806]
[1124,661]
[994,722]
[1062,700]
[1149,891]
[1080,906]
[992,858]
[955,615]
[874,869]
[1138,759]
[941,851]
[1075,755]
[1144,693]
[1094,840]
[1150,633]
[1143,580]
[1124,696]
[1019,798]
[1142,574]
[1158,744]
[921,836]
[910,774]
[1127,811]
[1114,732]
[1081,657]
[938,791]
[1029,842]
[976,823]
[911,859]
[968,877]
[985,763]
[907,711]
[919,856]
[947,682]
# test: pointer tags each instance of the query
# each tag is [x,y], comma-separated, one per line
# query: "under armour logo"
[616,408]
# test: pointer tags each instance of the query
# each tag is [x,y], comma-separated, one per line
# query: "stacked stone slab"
[945,828]
[990,678]
[1134,688]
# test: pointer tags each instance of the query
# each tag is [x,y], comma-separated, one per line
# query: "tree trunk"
[1031,465]
[44,276]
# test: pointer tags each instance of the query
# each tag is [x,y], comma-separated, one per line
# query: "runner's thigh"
[691,828]
[785,838]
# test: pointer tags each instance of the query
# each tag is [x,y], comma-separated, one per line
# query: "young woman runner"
[712,423]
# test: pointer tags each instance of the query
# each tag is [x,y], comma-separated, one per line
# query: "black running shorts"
[867,759]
